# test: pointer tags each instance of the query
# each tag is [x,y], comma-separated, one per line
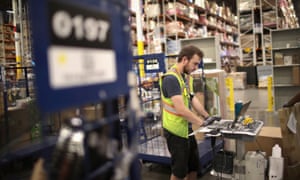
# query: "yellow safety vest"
[172,120]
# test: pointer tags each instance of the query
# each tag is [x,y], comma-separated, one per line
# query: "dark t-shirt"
[170,86]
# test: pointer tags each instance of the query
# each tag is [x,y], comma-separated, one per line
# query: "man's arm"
[199,107]
[293,100]
[184,111]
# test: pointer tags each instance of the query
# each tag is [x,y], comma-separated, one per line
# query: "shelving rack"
[152,145]
[15,39]
[26,36]
[8,55]
[257,19]
[255,31]
[211,49]
[286,65]
[151,20]
[180,19]
[202,20]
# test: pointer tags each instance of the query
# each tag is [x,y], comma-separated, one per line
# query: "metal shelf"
[286,66]
[286,81]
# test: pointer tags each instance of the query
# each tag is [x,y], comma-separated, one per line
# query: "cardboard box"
[266,139]
[278,59]
[296,75]
[288,60]
[296,59]
[199,136]
[239,79]
[290,142]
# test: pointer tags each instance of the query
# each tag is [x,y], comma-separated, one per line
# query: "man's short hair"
[189,51]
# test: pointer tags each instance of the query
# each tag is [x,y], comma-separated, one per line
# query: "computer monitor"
[241,113]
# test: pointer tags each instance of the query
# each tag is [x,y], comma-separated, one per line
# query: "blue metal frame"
[51,100]
[144,138]
[160,57]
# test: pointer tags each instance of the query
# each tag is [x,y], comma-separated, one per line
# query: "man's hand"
[210,119]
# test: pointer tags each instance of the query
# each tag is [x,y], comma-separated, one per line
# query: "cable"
[294,165]
[258,145]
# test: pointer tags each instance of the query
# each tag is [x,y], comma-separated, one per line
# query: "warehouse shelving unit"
[211,49]
[257,19]
[15,40]
[151,21]
[26,36]
[152,145]
[168,22]
[184,20]
[7,45]
[255,24]
[286,65]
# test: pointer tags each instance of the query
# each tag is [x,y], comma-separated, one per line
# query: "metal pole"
[140,42]
[239,30]
[26,82]
[17,39]
[262,34]
[20,16]
[253,34]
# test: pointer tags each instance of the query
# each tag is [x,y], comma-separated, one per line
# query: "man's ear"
[185,60]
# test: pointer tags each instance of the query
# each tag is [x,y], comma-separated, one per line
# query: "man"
[177,100]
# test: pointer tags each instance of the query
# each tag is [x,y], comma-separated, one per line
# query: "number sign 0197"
[75,26]
[89,28]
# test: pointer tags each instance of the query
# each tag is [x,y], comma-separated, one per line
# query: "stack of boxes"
[239,79]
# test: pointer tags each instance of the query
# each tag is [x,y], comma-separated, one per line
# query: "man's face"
[191,65]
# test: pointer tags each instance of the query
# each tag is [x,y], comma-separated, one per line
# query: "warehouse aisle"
[257,110]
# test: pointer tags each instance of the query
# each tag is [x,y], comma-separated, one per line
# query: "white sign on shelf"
[76,66]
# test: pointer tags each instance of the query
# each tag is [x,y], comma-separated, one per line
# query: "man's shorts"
[184,154]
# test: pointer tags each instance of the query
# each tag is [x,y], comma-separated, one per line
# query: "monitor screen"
[242,112]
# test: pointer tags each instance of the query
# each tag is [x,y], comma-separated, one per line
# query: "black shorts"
[184,154]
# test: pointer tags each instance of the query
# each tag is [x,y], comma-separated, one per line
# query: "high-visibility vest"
[172,120]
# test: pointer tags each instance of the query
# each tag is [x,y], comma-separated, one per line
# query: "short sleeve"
[170,86]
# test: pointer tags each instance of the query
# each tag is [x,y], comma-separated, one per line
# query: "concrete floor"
[257,110]
[162,172]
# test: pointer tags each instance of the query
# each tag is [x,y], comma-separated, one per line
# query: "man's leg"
[178,148]
[191,176]
[173,177]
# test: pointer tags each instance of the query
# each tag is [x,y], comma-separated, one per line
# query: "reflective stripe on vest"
[170,108]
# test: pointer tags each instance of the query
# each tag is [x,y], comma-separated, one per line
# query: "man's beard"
[185,70]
